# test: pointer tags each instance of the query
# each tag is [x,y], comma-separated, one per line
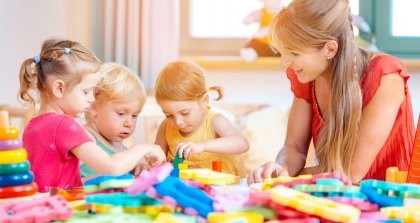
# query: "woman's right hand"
[268,170]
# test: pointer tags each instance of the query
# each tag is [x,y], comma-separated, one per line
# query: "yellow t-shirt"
[232,164]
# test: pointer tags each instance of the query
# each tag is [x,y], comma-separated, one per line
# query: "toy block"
[147,179]
[216,165]
[393,174]
[104,182]
[10,144]
[414,168]
[320,207]
[206,176]
[39,210]
[186,196]
[407,214]
[216,217]
[13,156]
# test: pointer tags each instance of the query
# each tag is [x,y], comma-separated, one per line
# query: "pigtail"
[28,80]
[219,91]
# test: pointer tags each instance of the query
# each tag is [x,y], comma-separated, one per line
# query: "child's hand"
[185,149]
[154,157]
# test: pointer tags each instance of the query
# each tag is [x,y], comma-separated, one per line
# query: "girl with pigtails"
[64,75]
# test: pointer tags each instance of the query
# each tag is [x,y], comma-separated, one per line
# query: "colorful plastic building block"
[393,174]
[105,182]
[44,209]
[186,196]
[321,207]
[414,168]
[206,176]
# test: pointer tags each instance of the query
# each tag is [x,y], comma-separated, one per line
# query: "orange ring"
[9,133]
[18,191]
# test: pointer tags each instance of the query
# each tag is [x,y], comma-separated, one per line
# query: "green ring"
[13,168]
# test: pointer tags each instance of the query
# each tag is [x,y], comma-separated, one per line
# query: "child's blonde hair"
[183,81]
[58,57]
[119,84]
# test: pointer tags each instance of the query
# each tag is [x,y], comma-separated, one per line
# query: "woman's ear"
[58,88]
[330,49]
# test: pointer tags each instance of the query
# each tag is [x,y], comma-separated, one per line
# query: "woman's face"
[308,64]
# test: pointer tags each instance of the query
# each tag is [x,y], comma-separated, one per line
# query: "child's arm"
[161,137]
[228,140]
[121,162]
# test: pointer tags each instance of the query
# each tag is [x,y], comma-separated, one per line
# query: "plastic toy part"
[44,209]
[18,191]
[16,179]
[13,156]
[10,144]
[14,168]
[393,174]
[9,133]
[414,168]
[217,165]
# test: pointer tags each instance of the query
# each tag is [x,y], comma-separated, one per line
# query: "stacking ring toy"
[18,191]
[16,179]
[13,156]
[13,168]
[10,144]
[9,133]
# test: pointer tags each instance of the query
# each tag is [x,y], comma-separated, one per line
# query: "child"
[65,75]
[198,134]
[112,118]
[354,106]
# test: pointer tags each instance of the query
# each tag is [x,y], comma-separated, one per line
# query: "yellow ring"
[13,156]
[9,133]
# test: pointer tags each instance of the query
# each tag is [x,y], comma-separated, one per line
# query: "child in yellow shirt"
[191,127]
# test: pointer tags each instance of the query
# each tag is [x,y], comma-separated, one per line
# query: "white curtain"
[141,34]
[122,32]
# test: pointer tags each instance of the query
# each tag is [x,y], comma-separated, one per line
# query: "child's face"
[78,99]
[187,116]
[116,121]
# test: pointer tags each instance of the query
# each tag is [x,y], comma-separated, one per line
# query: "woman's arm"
[298,137]
[377,120]
[292,157]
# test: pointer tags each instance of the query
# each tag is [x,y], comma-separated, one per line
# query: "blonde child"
[65,75]
[199,134]
[112,117]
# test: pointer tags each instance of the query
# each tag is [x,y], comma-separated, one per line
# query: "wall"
[25,24]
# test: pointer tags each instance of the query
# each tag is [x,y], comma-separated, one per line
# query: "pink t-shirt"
[49,139]
[397,148]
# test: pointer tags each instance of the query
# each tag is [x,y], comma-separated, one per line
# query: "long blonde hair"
[183,81]
[311,24]
[58,57]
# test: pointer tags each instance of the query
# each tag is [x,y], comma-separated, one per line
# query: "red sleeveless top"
[398,147]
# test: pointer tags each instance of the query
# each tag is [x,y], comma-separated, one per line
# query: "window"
[394,23]
[214,27]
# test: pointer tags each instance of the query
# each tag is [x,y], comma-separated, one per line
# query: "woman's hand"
[186,149]
[268,170]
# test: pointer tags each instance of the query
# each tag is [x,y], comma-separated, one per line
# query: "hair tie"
[54,55]
[67,50]
[37,59]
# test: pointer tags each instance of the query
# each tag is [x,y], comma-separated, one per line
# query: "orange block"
[414,169]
